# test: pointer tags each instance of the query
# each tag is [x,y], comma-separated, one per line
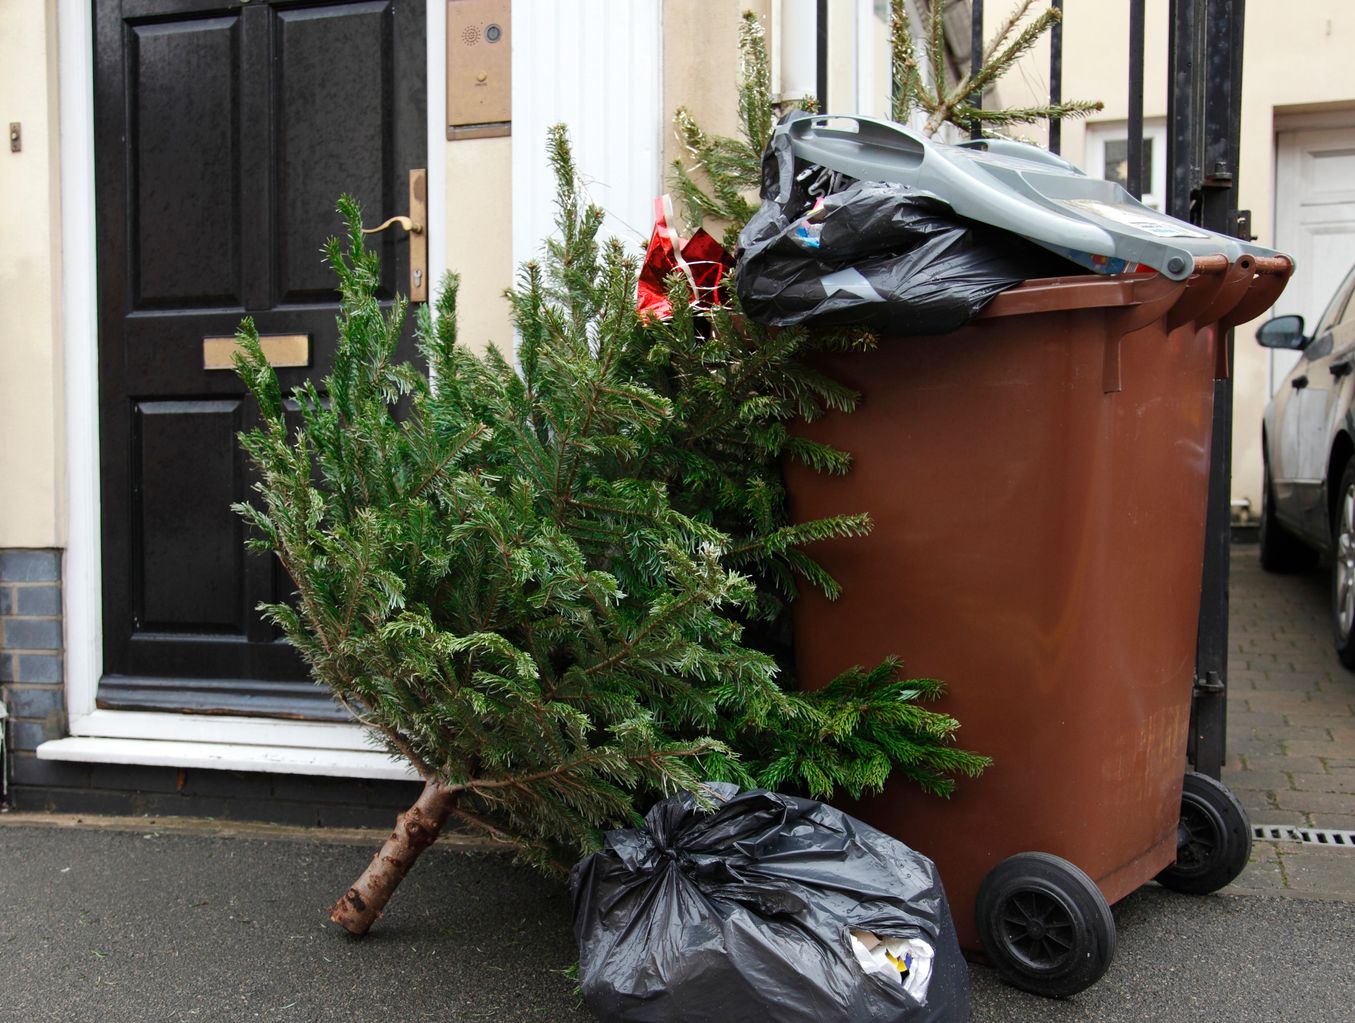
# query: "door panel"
[224,136]
[1284,442]
[183,146]
[1312,404]
[191,553]
[316,163]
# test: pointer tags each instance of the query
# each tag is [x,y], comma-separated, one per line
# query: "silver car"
[1307,444]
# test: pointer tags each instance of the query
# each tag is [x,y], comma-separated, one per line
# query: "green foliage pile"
[533,580]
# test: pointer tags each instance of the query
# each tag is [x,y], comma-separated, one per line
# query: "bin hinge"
[1210,685]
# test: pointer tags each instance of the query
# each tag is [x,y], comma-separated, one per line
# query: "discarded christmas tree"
[531,582]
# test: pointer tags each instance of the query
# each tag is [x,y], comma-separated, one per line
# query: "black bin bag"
[827,249]
[765,911]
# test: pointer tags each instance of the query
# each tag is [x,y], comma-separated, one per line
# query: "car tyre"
[1281,550]
[1343,567]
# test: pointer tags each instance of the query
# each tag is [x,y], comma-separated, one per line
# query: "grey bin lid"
[1019,188]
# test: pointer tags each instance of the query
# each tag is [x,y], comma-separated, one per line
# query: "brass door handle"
[404,222]
[418,239]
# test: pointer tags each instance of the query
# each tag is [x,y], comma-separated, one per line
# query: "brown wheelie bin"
[1038,484]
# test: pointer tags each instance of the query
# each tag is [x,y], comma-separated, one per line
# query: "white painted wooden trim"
[228,757]
[130,724]
[795,46]
[596,66]
[436,83]
[1155,128]
[124,734]
[869,102]
[81,576]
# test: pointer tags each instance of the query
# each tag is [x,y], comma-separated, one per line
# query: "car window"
[1347,313]
[1339,307]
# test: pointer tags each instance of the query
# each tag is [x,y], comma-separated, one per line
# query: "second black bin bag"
[747,915]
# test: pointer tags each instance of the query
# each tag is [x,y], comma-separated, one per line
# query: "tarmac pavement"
[136,920]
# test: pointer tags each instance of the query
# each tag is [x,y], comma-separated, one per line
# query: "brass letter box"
[281,350]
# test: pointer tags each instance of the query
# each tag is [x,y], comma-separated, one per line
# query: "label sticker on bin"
[1162,227]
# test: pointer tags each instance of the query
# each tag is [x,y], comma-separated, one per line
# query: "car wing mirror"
[1282,332]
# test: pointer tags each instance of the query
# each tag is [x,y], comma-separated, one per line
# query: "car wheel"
[1343,568]
[1281,550]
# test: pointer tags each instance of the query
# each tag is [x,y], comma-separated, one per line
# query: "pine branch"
[999,65]
[954,105]
[906,75]
[936,45]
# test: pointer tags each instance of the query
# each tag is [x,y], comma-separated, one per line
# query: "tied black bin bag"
[771,909]
[829,249]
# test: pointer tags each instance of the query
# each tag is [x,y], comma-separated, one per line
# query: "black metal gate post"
[1204,103]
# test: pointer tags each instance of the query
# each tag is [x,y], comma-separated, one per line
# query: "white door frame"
[186,740]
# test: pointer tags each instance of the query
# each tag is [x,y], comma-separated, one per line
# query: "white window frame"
[1155,128]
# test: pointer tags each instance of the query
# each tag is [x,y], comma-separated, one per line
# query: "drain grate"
[1308,836]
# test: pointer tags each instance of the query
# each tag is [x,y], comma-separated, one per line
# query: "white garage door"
[1315,220]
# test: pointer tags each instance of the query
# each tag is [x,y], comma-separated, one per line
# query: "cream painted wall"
[701,64]
[479,238]
[31,436]
[1295,57]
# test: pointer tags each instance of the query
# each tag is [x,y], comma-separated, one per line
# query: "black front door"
[225,133]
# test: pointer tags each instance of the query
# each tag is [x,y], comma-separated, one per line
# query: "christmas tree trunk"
[415,830]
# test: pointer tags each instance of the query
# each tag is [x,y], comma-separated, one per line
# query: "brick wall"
[31,680]
[32,685]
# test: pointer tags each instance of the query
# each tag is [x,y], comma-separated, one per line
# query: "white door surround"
[134,737]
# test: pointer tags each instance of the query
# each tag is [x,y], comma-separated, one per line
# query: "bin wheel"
[1213,838]
[1044,924]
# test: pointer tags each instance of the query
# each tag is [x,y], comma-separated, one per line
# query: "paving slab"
[1291,726]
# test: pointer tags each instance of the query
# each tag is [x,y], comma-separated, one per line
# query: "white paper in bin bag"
[746,914]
